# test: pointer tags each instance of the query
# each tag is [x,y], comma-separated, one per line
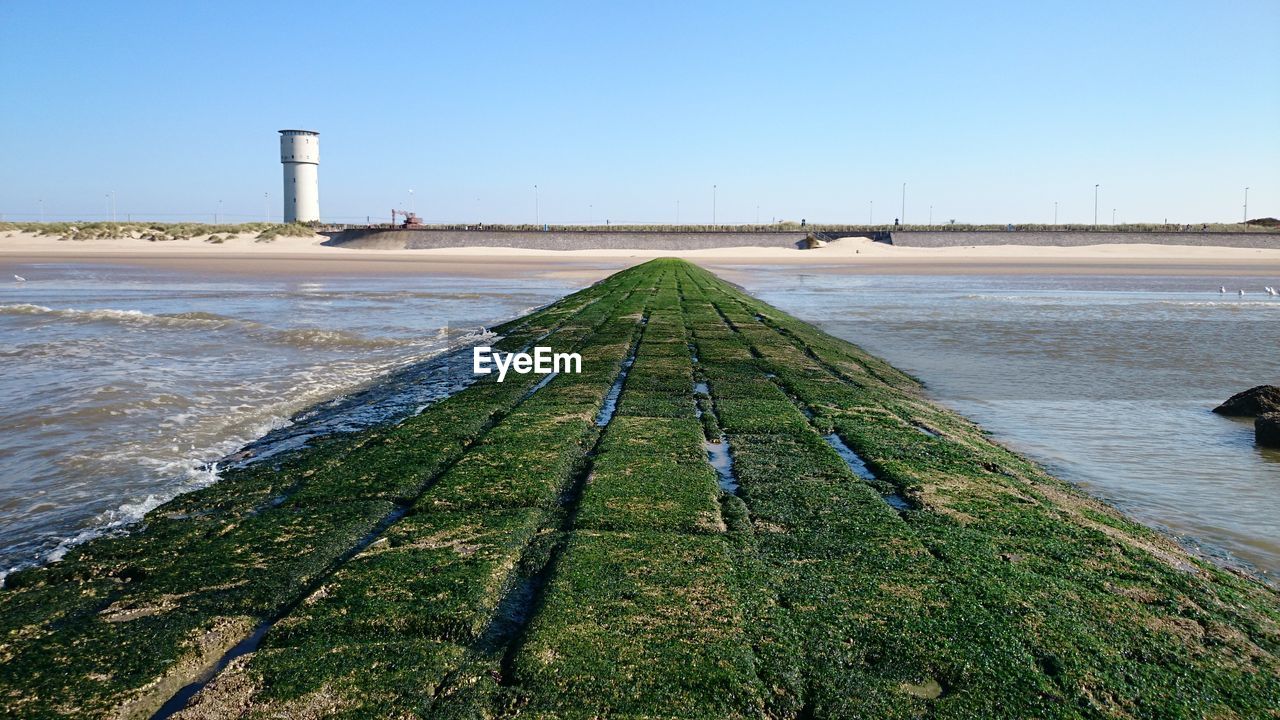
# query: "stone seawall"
[559,240]
[383,239]
[927,239]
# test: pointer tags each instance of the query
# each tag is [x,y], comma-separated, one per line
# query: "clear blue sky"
[988,111]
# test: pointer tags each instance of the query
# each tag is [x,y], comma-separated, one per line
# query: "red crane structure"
[411,220]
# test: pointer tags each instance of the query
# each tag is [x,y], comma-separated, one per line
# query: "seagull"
[1242,293]
[1222,289]
[19,278]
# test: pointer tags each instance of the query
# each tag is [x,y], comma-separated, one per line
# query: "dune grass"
[158,231]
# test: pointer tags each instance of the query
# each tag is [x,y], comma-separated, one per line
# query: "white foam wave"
[1096,301]
[1012,298]
[127,513]
[317,338]
[1222,303]
[192,472]
[131,317]
[24,309]
[296,337]
[187,468]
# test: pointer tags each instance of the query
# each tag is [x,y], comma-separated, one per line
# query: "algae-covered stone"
[1252,402]
[1266,429]
[640,624]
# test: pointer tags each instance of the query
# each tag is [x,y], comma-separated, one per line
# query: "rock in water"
[1266,429]
[1252,402]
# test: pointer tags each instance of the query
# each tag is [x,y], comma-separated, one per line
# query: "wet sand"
[302,256]
[274,265]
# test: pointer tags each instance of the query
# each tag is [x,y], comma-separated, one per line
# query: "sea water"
[120,386]
[1108,381]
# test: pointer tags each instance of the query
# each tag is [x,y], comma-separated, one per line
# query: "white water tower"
[300,154]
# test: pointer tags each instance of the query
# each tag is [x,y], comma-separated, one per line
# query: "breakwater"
[512,550]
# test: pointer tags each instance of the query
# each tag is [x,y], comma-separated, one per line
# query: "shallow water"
[719,455]
[859,467]
[1107,381]
[121,384]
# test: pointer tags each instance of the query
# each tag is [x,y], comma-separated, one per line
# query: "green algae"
[551,564]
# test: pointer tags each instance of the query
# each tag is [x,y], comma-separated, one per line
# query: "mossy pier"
[565,549]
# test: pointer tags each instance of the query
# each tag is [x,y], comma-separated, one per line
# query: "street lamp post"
[266,206]
[713,206]
[1055,212]
[871,212]
[537,211]
[677,212]
[1113,216]
[41,210]
[1246,204]
[1095,204]
[903,214]
[931,215]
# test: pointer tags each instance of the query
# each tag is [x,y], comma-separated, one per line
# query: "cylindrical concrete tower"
[300,153]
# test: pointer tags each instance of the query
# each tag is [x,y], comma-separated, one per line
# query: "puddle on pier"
[859,468]
[611,400]
[851,458]
[718,456]
[718,450]
[926,430]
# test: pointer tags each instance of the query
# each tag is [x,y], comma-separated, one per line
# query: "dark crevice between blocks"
[250,643]
[505,632]
[857,465]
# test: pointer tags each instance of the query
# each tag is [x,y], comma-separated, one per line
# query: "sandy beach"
[854,255]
